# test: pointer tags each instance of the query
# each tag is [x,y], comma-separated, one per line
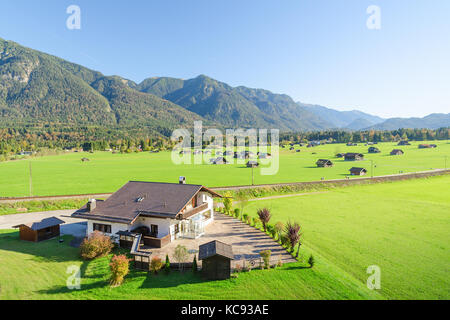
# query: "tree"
[167,265]
[228,202]
[264,215]
[265,254]
[194,265]
[293,234]
[242,201]
[181,254]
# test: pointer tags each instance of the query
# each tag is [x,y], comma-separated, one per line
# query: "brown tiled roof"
[43,224]
[163,200]
[215,248]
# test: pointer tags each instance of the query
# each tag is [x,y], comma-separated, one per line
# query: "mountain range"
[40,88]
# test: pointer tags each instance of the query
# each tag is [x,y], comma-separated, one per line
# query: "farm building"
[404,143]
[85,160]
[358,171]
[374,150]
[340,155]
[39,231]
[354,157]
[220,160]
[351,144]
[216,259]
[252,164]
[263,155]
[397,152]
[324,163]
[427,146]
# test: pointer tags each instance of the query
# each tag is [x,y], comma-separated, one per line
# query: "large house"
[161,212]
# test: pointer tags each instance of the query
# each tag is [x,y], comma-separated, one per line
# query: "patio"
[247,241]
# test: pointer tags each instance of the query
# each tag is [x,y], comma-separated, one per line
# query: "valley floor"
[402,227]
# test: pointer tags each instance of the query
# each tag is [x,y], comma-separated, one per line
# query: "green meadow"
[106,172]
[402,227]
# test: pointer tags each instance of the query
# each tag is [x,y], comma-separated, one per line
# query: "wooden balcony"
[193,211]
[156,242]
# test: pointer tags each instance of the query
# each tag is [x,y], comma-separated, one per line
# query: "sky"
[316,51]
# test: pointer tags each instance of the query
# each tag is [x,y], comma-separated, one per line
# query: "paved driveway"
[247,241]
[75,227]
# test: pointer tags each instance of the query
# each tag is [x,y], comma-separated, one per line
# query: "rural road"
[75,227]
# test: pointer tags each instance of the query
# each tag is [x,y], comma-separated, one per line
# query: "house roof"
[165,200]
[351,154]
[43,224]
[322,161]
[396,151]
[214,248]
[357,169]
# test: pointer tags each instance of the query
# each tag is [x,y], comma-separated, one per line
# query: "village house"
[427,146]
[340,155]
[160,212]
[397,152]
[358,171]
[354,157]
[374,150]
[324,163]
[404,143]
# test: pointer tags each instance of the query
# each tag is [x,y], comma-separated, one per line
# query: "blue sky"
[316,51]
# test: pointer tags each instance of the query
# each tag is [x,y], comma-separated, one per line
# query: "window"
[177,229]
[105,228]
[154,230]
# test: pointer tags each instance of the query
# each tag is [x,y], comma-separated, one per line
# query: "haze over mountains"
[39,88]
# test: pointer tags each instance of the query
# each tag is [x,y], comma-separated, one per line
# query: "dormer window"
[140,199]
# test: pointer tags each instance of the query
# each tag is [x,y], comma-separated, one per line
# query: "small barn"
[354,157]
[324,163]
[397,152]
[340,155]
[351,144]
[358,171]
[85,160]
[216,259]
[252,164]
[404,143]
[40,231]
[220,160]
[374,150]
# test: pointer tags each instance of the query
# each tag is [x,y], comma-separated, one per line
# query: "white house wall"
[115,227]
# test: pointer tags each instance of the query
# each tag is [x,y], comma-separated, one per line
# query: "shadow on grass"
[174,279]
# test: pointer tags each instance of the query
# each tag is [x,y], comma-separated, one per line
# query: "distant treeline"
[341,136]
[43,139]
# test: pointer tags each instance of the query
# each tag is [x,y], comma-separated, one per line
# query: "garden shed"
[216,259]
[397,152]
[40,231]
[358,171]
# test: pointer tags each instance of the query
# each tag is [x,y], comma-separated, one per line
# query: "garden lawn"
[106,172]
[402,227]
[38,271]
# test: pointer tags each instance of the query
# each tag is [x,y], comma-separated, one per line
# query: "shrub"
[181,254]
[278,227]
[167,265]
[119,266]
[264,215]
[194,265]
[245,217]
[156,264]
[95,246]
[311,261]
[293,233]
[248,220]
[237,213]
[265,254]
[238,268]
[255,222]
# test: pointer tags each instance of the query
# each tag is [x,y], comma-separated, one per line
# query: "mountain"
[432,121]
[354,120]
[234,107]
[39,88]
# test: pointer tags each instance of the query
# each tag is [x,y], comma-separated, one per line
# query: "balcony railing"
[194,211]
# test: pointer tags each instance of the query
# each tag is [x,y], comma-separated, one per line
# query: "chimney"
[91,205]
[182,180]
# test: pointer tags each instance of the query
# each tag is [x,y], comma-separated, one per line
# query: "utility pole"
[371,171]
[253,178]
[31,181]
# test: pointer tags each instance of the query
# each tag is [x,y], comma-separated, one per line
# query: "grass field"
[400,226]
[106,172]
